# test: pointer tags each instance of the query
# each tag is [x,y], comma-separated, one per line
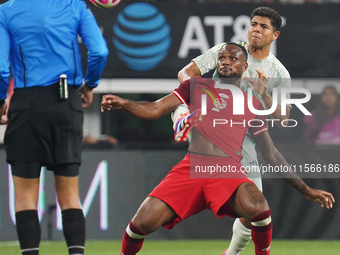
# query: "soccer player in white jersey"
[263,30]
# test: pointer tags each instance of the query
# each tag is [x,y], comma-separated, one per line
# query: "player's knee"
[26,201]
[144,224]
[257,203]
[261,206]
[23,205]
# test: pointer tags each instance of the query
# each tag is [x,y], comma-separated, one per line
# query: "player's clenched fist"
[111,102]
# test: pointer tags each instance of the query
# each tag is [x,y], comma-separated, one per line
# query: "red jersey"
[220,125]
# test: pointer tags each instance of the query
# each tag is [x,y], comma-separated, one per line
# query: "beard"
[231,78]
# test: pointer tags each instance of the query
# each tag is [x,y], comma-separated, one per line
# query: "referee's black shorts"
[42,128]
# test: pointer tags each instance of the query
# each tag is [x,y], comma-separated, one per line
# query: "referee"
[39,41]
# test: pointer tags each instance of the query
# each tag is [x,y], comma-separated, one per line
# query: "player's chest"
[221,101]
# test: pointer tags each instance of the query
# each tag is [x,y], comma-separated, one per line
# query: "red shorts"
[188,196]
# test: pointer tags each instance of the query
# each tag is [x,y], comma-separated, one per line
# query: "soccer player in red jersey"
[216,144]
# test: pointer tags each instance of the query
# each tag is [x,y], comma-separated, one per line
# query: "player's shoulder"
[77,3]
[243,44]
[278,66]
[191,81]
[77,6]
[1,10]
[204,81]
[7,7]
[8,3]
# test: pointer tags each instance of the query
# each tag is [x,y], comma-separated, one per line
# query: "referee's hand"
[86,95]
[3,112]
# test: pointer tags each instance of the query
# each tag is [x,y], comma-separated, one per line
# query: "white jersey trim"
[260,131]
[179,97]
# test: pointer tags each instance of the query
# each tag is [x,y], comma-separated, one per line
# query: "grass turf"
[183,247]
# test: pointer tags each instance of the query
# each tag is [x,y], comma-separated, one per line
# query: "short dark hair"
[240,46]
[269,13]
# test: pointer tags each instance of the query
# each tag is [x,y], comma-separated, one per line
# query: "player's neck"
[259,53]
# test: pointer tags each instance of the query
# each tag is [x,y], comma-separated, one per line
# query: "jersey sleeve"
[183,91]
[283,82]
[208,60]
[256,126]
[95,43]
[4,56]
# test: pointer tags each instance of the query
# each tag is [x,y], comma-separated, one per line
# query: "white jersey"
[278,77]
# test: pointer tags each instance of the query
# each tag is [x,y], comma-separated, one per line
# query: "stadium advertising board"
[113,183]
[158,43]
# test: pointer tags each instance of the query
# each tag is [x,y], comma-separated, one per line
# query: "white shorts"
[250,162]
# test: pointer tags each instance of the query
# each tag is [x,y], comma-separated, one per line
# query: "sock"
[132,240]
[28,230]
[241,237]
[261,232]
[74,230]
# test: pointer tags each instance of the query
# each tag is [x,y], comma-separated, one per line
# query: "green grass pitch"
[184,247]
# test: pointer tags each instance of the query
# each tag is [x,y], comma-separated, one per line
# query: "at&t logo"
[142,36]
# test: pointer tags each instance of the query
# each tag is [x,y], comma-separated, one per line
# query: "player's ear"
[275,35]
[245,66]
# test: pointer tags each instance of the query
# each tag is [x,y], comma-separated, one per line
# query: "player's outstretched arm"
[201,64]
[141,109]
[189,71]
[273,157]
